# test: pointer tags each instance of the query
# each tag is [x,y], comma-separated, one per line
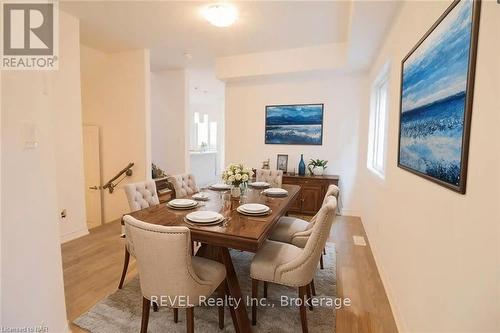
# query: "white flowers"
[236,174]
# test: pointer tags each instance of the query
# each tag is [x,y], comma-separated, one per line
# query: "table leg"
[239,314]
[235,291]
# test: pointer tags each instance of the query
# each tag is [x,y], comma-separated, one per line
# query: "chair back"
[300,271]
[141,195]
[164,262]
[331,190]
[183,185]
[273,177]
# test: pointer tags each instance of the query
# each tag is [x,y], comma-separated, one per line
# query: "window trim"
[374,131]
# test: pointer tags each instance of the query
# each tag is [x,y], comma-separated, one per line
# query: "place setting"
[254,209]
[204,218]
[259,185]
[275,192]
[182,204]
[220,187]
[201,196]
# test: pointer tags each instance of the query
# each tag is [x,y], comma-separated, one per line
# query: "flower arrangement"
[236,174]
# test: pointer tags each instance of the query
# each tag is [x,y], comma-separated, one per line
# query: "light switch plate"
[359,240]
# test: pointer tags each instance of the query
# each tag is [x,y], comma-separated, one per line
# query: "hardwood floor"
[92,266]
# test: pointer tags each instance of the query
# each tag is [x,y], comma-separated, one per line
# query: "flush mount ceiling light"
[220,14]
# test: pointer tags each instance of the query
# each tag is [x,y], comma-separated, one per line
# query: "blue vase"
[302,166]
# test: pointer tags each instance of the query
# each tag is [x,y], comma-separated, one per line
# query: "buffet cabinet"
[312,191]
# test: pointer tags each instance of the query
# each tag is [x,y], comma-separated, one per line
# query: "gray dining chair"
[168,272]
[139,195]
[293,266]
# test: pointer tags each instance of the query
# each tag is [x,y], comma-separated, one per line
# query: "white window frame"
[377,134]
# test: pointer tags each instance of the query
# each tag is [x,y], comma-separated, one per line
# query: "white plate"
[220,186]
[201,196]
[182,203]
[204,216]
[254,208]
[276,191]
[260,184]
[252,214]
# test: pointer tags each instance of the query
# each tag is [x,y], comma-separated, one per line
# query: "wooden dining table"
[239,232]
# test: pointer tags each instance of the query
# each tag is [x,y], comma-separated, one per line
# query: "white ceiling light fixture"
[220,14]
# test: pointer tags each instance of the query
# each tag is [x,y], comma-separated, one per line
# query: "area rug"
[121,311]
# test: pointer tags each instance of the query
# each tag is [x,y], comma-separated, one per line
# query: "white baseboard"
[386,282]
[74,235]
[350,212]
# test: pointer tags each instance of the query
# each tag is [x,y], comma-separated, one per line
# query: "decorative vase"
[302,166]
[235,191]
[318,171]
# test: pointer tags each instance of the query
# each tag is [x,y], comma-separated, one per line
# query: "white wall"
[438,251]
[68,132]
[245,123]
[169,125]
[305,59]
[35,185]
[115,97]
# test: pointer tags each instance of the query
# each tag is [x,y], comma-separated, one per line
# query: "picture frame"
[436,95]
[282,162]
[294,124]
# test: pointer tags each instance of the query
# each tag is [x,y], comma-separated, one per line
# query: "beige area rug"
[121,311]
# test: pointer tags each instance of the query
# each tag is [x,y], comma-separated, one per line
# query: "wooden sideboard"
[163,189]
[312,191]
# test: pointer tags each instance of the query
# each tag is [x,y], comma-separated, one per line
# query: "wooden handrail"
[127,171]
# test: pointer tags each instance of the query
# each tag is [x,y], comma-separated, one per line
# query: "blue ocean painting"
[433,98]
[294,124]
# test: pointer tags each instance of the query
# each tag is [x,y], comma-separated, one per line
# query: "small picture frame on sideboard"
[282,162]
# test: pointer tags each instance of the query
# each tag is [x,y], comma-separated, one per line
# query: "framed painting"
[282,163]
[299,124]
[437,86]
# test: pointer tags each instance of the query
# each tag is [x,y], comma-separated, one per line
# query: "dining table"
[237,232]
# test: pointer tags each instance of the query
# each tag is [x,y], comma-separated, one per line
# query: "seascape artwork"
[433,102]
[294,124]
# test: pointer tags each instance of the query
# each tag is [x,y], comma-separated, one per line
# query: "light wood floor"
[92,266]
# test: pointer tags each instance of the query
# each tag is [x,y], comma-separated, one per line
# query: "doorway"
[92,170]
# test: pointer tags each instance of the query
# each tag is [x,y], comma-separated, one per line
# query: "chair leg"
[125,266]
[255,289]
[221,293]
[309,298]
[176,315]
[145,314]
[155,306]
[303,314]
[321,262]
[265,289]
[190,319]
[313,289]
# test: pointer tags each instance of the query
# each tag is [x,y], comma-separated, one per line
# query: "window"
[213,135]
[205,135]
[378,123]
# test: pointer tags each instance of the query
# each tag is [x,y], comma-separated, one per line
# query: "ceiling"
[171,29]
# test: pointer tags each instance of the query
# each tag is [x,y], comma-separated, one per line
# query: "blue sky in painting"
[438,68]
[311,114]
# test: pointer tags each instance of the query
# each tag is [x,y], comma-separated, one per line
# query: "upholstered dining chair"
[273,177]
[290,265]
[183,185]
[169,275]
[139,195]
[293,230]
